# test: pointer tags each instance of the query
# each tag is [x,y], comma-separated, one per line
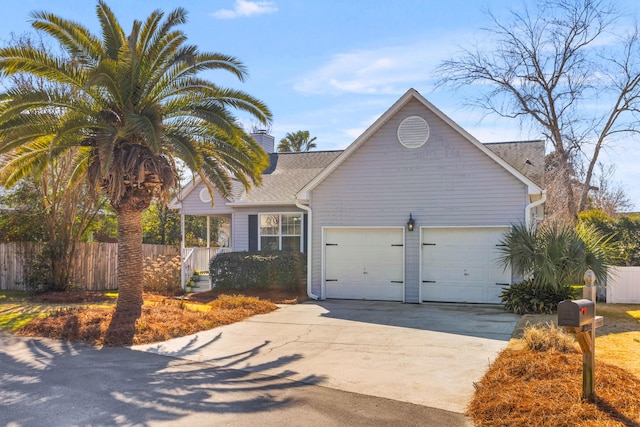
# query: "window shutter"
[253,232]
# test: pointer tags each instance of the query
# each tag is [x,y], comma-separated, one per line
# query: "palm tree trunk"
[130,262]
[122,328]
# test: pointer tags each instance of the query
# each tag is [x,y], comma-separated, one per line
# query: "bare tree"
[558,68]
[607,195]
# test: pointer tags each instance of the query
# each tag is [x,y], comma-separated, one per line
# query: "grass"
[618,340]
[17,309]
[85,317]
[537,380]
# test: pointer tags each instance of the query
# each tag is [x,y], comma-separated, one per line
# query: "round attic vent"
[413,132]
[204,195]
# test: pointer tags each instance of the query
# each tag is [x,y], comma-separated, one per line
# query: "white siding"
[193,205]
[446,182]
[240,227]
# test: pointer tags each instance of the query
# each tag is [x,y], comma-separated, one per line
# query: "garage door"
[364,263]
[460,265]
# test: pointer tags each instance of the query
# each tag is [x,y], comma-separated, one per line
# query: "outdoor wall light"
[410,223]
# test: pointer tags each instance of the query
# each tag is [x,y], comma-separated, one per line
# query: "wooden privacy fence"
[93,267]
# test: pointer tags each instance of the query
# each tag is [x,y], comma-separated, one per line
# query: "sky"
[333,67]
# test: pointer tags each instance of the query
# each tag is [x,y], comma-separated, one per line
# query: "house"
[411,211]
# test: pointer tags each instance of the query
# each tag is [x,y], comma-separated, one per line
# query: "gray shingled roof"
[517,153]
[289,172]
[286,175]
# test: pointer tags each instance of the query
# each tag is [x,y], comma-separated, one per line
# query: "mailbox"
[576,313]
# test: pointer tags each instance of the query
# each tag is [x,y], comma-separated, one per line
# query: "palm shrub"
[524,297]
[551,258]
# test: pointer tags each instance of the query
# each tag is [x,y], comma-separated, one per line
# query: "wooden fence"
[94,266]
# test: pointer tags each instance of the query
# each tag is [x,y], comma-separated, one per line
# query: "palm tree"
[133,105]
[556,254]
[295,142]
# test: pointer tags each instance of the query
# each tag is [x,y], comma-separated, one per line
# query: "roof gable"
[286,174]
[410,95]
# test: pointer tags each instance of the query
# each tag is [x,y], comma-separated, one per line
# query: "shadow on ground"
[473,320]
[47,382]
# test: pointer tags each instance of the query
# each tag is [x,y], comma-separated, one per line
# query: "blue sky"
[333,67]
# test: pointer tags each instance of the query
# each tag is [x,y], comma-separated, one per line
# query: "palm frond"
[28,160]
[24,59]
[112,35]
[77,39]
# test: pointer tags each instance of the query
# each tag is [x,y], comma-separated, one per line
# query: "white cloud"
[388,70]
[244,8]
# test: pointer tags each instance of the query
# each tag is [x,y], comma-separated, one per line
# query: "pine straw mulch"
[72,297]
[544,388]
[277,296]
[161,319]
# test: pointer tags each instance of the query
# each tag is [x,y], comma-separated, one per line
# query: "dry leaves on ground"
[161,320]
[529,388]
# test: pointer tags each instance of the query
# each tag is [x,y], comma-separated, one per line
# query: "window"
[280,232]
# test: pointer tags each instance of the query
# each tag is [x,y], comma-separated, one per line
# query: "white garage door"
[364,263]
[460,265]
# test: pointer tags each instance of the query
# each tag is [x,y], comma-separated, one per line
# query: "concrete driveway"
[330,363]
[428,354]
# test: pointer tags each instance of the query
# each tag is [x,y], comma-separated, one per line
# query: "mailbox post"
[589,358]
[579,318]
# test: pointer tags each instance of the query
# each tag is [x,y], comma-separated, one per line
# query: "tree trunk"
[567,176]
[122,328]
[130,262]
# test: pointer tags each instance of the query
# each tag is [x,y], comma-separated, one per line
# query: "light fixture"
[410,223]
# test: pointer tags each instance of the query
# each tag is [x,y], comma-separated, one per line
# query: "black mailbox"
[576,313]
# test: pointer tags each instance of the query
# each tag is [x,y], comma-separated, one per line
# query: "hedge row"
[250,270]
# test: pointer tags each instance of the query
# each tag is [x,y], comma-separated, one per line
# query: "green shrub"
[525,297]
[262,270]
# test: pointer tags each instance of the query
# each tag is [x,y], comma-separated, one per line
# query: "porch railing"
[187,265]
[198,259]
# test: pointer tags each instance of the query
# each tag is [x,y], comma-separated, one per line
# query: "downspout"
[182,250]
[309,247]
[527,213]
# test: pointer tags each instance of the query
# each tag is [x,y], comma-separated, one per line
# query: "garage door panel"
[443,292]
[345,291]
[364,263]
[460,265]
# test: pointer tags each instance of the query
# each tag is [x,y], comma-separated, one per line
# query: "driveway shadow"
[46,382]
[474,320]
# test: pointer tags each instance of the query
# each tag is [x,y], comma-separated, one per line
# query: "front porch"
[196,260]
[198,250]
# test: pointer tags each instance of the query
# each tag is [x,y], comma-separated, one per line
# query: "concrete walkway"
[429,354]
